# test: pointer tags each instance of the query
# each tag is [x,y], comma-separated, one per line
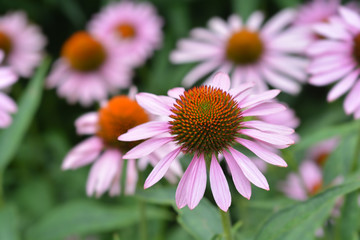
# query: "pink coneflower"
[22,43]
[88,70]
[116,117]
[7,105]
[248,51]
[337,58]
[316,11]
[134,28]
[207,121]
[309,181]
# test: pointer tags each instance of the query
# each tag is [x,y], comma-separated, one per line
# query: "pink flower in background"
[88,70]
[309,181]
[248,51]
[7,105]
[134,28]
[207,121]
[337,59]
[106,152]
[22,42]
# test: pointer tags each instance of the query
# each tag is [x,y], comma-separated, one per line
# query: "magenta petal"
[153,104]
[242,184]
[262,152]
[144,131]
[219,185]
[146,147]
[160,169]
[197,182]
[249,169]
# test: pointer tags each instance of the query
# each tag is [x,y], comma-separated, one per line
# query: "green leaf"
[304,218]
[89,216]
[245,7]
[203,222]
[11,137]
[349,220]
[8,223]
[158,195]
[287,3]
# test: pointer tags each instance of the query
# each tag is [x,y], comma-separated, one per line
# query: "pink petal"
[161,168]
[242,184]
[279,81]
[199,71]
[249,169]
[332,31]
[262,152]
[83,153]
[235,92]
[7,77]
[7,104]
[146,147]
[278,22]
[182,193]
[131,177]
[144,131]
[326,47]
[311,174]
[153,104]
[87,123]
[255,20]
[218,26]
[221,80]
[268,127]
[293,187]
[343,86]
[351,17]
[197,183]
[103,173]
[264,109]
[352,100]
[219,185]
[5,119]
[255,99]
[272,138]
[331,76]
[176,92]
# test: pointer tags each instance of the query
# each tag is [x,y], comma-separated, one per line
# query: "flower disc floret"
[125,30]
[119,115]
[5,42]
[205,120]
[244,47]
[83,52]
[356,48]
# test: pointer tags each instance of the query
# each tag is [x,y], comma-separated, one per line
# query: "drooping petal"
[249,169]
[131,177]
[197,182]
[272,138]
[219,185]
[146,147]
[160,169]
[268,127]
[144,131]
[264,109]
[181,195]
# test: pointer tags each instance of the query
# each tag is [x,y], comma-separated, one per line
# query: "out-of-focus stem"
[225,219]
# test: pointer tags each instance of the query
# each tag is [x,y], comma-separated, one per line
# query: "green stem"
[1,189]
[225,219]
[143,220]
[355,160]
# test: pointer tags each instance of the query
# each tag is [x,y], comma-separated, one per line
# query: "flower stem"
[1,188]
[355,160]
[225,219]
[143,220]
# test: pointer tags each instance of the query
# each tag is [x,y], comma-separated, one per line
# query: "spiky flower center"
[244,47]
[119,115]
[5,43]
[83,52]
[125,30]
[205,120]
[356,48]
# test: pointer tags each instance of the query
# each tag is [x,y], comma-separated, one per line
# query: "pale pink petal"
[272,138]
[255,20]
[280,81]
[160,169]
[176,92]
[197,183]
[219,185]
[242,184]
[235,22]
[264,109]
[262,152]
[5,119]
[181,195]
[87,123]
[103,172]
[327,47]
[7,77]
[83,153]
[249,169]
[218,26]
[7,104]
[268,127]
[352,100]
[293,187]
[153,104]
[331,76]
[351,17]
[332,31]
[343,86]
[146,147]
[131,177]
[145,130]
[278,22]
[199,71]
[255,99]
[221,80]
[311,174]
[235,92]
